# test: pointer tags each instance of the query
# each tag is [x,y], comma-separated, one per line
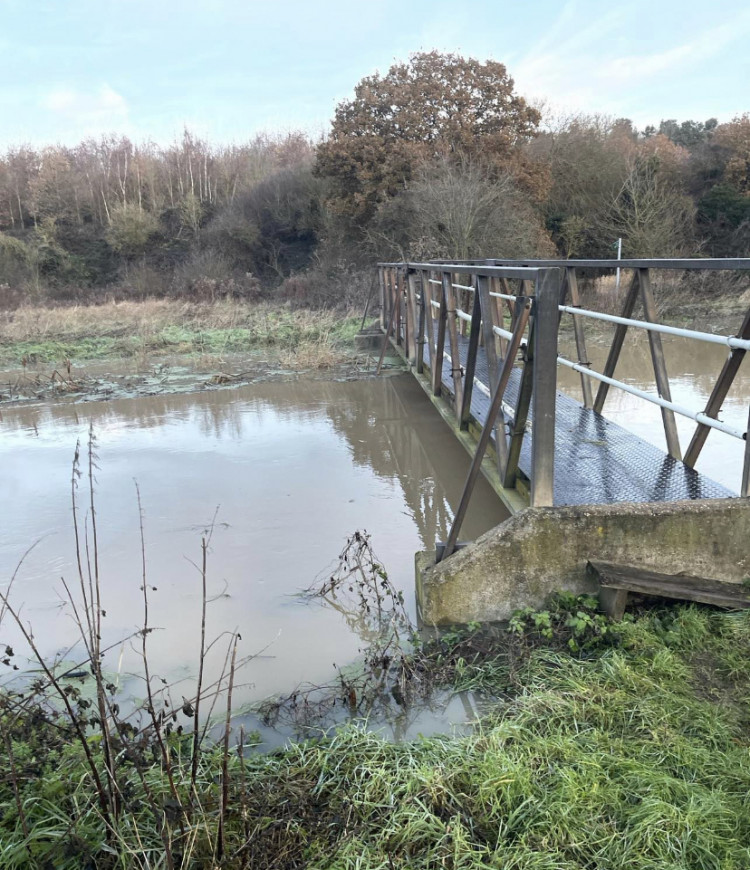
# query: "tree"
[434,106]
[130,229]
[456,210]
[586,157]
[651,215]
[735,138]
[689,134]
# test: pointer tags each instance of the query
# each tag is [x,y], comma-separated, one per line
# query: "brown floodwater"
[693,368]
[289,469]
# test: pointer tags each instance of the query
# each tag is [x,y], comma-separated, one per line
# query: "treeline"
[439,157]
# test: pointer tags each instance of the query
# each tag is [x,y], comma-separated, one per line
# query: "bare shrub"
[339,286]
[459,211]
[208,276]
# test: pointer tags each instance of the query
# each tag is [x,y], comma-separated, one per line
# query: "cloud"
[90,111]
[587,68]
[710,43]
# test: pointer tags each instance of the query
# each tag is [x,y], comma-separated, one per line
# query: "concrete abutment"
[541,550]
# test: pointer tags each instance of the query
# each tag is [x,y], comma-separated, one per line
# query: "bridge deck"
[596,461]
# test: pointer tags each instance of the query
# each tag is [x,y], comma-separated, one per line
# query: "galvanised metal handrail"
[730,341]
[689,264]
[544,286]
[697,416]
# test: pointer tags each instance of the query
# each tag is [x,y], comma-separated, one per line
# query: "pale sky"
[231,68]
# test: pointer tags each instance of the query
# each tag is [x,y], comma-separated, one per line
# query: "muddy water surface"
[289,469]
[693,368]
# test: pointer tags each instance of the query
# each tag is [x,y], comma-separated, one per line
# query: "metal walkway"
[500,382]
[596,461]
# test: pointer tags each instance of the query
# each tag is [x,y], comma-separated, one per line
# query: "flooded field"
[284,472]
[290,470]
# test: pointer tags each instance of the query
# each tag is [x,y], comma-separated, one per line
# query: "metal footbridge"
[482,338]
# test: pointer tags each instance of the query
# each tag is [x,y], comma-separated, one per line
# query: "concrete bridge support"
[541,550]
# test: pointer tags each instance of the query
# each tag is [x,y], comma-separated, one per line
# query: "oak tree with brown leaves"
[434,106]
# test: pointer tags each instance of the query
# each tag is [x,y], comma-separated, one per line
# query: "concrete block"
[542,550]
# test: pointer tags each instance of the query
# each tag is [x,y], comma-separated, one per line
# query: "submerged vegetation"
[597,745]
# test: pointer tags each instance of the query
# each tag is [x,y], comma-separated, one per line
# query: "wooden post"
[449,300]
[575,301]
[718,394]
[487,311]
[471,361]
[660,366]
[437,369]
[546,317]
[484,438]
[619,336]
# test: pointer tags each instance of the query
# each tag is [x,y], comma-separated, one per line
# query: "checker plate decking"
[596,461]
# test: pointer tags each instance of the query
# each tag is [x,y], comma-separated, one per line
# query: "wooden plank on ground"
[615,578]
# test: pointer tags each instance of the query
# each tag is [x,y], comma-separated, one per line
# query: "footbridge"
[483,340]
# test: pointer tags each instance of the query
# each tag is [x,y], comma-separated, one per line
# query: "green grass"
[632,756]
[178,340]
[101,335]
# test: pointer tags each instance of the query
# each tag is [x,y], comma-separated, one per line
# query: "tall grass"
[155,327]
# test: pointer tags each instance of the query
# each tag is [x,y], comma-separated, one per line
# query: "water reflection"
[294,468]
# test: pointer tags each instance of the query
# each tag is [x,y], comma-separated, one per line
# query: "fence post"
[745,490]
[545,388]
[398,298]
[660,365]
[418,317]
[449,300]
[471,360]
[381,287]
[575,301]
[437,368]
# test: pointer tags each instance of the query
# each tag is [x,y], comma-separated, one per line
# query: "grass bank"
[154,328]
[625,748]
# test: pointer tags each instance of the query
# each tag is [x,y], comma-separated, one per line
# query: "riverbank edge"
[634,751]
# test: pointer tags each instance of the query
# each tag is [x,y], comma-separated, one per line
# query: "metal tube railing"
[728,341]
[697,416]
[457,286]
[503,333]
[504,296]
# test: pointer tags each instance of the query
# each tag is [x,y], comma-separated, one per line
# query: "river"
[283,472]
